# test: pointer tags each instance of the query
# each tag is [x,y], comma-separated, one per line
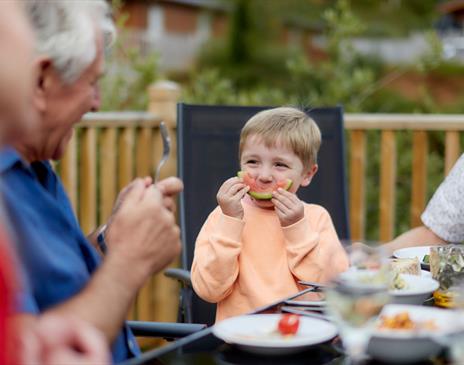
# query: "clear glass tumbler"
[356,297]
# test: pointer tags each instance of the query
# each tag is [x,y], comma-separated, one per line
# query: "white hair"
[66,32]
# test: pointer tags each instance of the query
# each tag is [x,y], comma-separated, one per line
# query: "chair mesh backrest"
[208,138]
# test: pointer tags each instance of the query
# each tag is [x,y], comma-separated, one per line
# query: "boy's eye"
[281,164]
[251,161]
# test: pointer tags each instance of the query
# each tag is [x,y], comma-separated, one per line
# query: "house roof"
[211,4]
[451,6]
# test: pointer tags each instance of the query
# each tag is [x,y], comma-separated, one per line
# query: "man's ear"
[43,79]
[309,174]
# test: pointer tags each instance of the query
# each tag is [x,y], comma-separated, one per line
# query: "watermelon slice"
[258,192]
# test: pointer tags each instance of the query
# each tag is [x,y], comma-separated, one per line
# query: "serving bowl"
[406,346]
[417,289]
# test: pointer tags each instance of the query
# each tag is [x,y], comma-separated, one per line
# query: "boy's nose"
[265,175]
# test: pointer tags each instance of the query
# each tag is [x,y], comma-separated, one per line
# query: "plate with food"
[410,333]
[422,253]
[273,334]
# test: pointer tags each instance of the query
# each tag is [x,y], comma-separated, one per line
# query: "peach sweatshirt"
[244,264]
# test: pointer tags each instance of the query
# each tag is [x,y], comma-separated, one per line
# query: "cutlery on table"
[313,284]
[305,313]
[312,307]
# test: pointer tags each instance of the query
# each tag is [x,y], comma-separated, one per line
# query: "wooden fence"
[109,149]
[389,125]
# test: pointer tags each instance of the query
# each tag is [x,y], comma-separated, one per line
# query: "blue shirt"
[58,260]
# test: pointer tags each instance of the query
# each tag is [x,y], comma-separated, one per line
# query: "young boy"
[252,252]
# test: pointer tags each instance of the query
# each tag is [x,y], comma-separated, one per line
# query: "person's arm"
[142,239]
[314,251]
[215,265]
[419,236]
[54,340]
[442,219]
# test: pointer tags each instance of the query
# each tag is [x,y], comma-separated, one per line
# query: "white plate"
[410,346]
[418,289]
[254,333]
[412,252]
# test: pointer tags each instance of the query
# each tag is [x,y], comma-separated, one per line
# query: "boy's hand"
[230,195]
[288,207]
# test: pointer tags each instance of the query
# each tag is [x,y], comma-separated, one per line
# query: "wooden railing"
[109,149]
[389,125]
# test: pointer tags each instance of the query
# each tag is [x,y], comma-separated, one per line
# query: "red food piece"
[288,324]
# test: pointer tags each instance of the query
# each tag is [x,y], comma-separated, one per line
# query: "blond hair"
[289,126]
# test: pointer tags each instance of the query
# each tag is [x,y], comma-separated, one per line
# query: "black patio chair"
[207,144]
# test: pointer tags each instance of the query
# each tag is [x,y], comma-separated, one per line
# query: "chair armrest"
[181,275]
[164,329]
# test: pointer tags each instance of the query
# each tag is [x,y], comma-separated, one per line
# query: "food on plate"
[260,193]
[288,324]
[398,283]
[403,321]
[405,266]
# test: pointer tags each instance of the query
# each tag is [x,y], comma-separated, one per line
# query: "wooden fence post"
[419,176]
[358,185]
[387,199]
[164,96]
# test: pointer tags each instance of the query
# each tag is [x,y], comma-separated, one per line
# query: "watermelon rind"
[260,196]
[264,195]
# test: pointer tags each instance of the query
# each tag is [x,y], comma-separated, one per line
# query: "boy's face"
[271,165]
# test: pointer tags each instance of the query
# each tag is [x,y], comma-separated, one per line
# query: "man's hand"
[230,195]
[143,235]
[56,340]
[170,187]
[288,207]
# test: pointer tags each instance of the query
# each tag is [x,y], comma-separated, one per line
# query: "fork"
[166,149]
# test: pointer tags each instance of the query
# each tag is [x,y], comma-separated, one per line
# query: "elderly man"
[51,340]
[64,271]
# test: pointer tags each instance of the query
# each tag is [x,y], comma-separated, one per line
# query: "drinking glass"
[454,341]
[357,296]
[457,341]
[447,266]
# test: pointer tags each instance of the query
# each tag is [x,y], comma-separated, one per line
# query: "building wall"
[137,14]
[180,19]
[175,31]
[219,25]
